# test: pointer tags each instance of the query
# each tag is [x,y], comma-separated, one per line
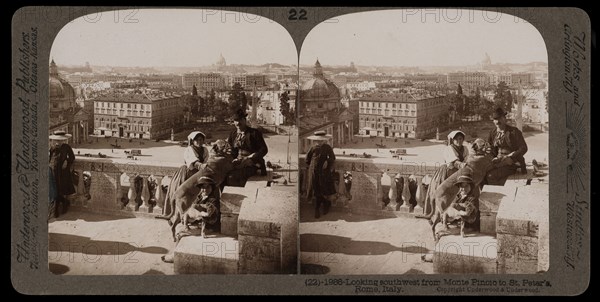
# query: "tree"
[194,90]
[237,98]
[284,107]
[503,97]
[459,90]
[215,107]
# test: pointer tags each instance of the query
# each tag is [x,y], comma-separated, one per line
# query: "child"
[204,210]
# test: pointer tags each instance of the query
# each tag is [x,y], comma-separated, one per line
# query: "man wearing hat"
[61,158]
[320,183]
[508,148]
[248,146]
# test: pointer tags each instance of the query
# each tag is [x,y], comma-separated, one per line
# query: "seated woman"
[455,155]
[195,156]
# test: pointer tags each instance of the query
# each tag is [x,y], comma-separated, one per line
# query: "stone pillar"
[159,195]
[420,196]
[131,195]
[125,185]
[341,189]
[80,189]
[386,182]
[393,194]
[405,207]
[379,190]
[145,207]
[165,182]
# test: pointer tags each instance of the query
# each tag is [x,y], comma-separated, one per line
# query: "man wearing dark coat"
[508,148]
[61,158]
[248,148]
[320,159]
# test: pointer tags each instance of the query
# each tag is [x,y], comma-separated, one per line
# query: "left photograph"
[173,145]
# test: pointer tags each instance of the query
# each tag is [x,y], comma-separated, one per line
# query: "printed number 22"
[297,15]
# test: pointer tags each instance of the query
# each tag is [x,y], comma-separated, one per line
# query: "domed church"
[320,108]
[63,112]
[319,94]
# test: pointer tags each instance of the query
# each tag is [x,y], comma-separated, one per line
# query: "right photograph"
[423,144]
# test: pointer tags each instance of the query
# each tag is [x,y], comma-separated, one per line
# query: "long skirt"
[442,173]
[180,176]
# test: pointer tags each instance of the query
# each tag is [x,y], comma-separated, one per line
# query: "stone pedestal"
[197,255]
[232,199]
[522,231]
[268,231]
[475,254]
[489,200]
[104,188]
[368,188]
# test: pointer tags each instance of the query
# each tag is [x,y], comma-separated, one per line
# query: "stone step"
[211,255]
[475,253]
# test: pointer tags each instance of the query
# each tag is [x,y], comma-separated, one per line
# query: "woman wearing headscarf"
[61,158]
[195,157]
[196,153]
[455,156]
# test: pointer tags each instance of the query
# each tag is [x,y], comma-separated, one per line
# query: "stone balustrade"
[124,189]
[377,188]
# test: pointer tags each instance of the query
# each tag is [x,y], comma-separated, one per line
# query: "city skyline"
[171,38]
[433,37]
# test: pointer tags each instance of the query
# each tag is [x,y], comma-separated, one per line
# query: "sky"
[423,37]
[173,38]
[195,37]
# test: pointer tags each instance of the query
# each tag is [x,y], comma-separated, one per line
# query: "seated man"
[508,147]
[248,149]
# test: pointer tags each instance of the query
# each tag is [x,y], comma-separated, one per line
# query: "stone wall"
[113,189]
[373,190]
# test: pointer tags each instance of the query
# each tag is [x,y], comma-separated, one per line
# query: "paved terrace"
[345,243]
[83,243]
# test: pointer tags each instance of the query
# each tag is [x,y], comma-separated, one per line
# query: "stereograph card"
[300,150]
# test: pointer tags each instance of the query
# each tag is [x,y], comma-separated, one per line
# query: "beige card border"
[569,118]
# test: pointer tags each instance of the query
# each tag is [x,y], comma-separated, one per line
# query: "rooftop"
[135,96]
[400,96]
